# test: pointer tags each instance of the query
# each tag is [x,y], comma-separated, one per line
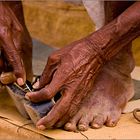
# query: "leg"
[112,89]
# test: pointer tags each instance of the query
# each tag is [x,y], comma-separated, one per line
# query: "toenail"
[113,124]
[82,127]
[96,125]
[68,125]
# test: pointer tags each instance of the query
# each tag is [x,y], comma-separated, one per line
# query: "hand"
[71,71]
[11,38]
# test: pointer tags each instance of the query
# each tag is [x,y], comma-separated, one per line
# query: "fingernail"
[36,85]
[20,81]
[27,97]
[41,127]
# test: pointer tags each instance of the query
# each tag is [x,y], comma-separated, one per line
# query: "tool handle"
[7,78]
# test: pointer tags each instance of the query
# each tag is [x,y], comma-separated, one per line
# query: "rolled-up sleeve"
[95,9]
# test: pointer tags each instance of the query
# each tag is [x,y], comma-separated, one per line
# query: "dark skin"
[73,70]
[113,82]
[91,100]
[15,41]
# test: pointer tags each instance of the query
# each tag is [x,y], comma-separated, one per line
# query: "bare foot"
[112,90]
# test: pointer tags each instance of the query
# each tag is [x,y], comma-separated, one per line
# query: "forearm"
[118,33]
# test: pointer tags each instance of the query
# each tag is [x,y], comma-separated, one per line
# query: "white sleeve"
[95,9]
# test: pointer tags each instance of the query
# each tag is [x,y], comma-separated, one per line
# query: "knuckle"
[20,32]
[48,94]
[50,58]
[20,29]
[53,58]
[4,31]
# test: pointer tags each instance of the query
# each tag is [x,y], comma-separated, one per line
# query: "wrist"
[111,38]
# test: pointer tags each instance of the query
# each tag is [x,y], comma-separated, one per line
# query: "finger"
[46,93]
[71,113]
[36,85]
[78,97]
[49,91]
[60,108]
[49,70]
[54,61]
[12,54]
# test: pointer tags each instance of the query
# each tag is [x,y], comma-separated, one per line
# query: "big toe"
[113,119]
[70,127]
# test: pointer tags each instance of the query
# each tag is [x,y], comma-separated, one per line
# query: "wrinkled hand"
[11,34]
[71,71]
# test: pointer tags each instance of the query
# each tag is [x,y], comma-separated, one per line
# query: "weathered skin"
[112,89]
[73,69]
[15,41]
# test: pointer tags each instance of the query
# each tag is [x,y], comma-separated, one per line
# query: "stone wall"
[57,23]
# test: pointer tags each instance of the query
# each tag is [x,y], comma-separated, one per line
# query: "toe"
[70,127]
[98,121]
[113,119]
[111,123]
[83,127]
[83,124]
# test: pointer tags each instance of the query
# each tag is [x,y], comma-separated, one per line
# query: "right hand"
[11,38]
[70,71]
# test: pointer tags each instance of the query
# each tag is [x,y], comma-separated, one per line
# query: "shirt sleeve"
[95,9]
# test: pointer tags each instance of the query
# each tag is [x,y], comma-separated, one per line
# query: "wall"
[58,23]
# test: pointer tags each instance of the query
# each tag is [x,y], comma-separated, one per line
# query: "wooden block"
[7,77]
[37,111]
[18,96]
[27,109]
